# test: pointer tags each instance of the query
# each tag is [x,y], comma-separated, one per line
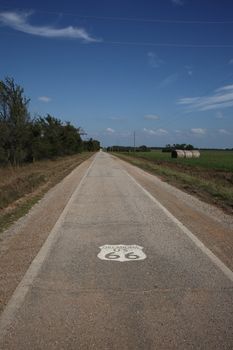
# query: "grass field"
[21,187]
[209,177]
[219,160]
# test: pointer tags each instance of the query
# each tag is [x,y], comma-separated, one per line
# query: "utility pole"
[134,144]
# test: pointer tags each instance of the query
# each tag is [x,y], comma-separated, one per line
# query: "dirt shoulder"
[210,224]
[22,241]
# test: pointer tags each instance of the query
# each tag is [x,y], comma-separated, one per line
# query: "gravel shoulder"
[209,223]
[22,241]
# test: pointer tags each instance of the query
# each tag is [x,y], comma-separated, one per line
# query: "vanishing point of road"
[119,271]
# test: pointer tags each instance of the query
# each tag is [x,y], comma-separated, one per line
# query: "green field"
[218,160]
[209,177]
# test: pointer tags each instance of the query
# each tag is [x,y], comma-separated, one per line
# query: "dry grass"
[21,187]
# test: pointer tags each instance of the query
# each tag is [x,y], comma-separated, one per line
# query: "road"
[118,271]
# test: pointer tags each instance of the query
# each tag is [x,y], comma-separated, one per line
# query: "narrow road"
[119,272]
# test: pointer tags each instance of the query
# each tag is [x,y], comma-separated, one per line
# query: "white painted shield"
[121,252]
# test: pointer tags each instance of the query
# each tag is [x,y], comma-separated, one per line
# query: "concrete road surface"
[152,285]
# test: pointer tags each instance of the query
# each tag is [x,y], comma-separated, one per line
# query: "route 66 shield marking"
[121,252]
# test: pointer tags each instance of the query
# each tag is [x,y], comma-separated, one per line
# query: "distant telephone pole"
[134,140]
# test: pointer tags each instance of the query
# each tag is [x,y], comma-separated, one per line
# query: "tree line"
[142,148]
[26,139]
[182,146]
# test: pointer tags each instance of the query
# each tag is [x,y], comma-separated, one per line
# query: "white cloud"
[161,132]
[189,70]
[117,119]
[225,88]
[219,115]
[44,99]
[157,132]
[151,117]
[149,131]
[125,134]
[154,60]
[224,132]
[19,21]
[198,131]
[169,80]
[178,2]
[110,130]
[221,98]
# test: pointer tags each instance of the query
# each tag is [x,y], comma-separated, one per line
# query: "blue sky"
[163,69]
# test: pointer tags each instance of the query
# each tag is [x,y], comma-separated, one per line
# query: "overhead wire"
[135,43]
[127,19]
[151,20]
[148,20]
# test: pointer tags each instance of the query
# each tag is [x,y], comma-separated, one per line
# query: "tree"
[91,145]
[71,139]
[52,138]
[3,142]
[189,147]
[143,148]
[182,146]
[25,140]
[14,121]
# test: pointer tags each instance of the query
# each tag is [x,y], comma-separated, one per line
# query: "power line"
[126,19]
[135,19]
[134,43]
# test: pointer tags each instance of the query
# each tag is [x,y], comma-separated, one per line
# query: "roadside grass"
[8,218]
[22,187]
[209,179]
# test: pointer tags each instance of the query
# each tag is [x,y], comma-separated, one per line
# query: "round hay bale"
[188,154]
[178,153]
[196,153]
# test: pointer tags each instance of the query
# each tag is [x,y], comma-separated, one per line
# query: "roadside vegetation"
[21,187]
[35,152]
[209,177]
[26,139]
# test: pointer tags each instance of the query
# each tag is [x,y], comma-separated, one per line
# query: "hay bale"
[196,154]
[188,154]
[178,153]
